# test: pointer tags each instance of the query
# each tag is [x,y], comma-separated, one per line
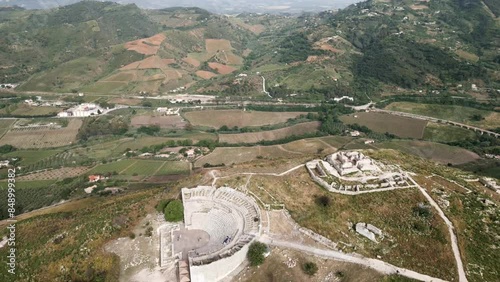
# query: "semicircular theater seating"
[231,218]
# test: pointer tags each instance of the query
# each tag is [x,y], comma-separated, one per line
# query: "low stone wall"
[219,269]
[313,235]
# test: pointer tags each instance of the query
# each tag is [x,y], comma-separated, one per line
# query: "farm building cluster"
[353,172]
[39,102]
[82,110]
[168,111]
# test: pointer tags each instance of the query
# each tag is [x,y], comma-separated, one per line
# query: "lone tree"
[310,268]
[256,253]
[174,211]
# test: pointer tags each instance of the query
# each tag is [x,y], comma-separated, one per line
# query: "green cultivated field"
[445,133]
[138,167]
[449,112]
[5,125]
[29,157]
[118,166]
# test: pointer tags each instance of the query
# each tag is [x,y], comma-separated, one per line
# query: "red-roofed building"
[95,178]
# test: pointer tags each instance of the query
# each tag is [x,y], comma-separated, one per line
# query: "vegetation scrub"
[11,242]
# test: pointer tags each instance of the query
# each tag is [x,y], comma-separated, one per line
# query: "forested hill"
[365,50]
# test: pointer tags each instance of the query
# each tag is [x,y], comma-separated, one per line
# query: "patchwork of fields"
[238,118]
[277,134]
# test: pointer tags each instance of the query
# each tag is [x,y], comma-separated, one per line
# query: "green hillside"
[366,50]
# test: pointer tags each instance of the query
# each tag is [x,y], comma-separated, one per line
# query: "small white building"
[190,153]
[355,133]
[338,99]
[369,141]
[168,111]
[4,163]
[65,114]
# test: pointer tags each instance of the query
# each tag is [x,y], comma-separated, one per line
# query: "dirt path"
[9,128]
[329,146]
[288,151]
[376,264]
[215,177]
[454,241]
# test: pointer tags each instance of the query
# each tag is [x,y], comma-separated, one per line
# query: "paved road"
[376,264]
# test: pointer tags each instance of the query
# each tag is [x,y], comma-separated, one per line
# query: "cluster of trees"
[404,63]
[294,108]
[100,126]
[4,149]
[149,130]
[169,143]
[329,117]
[482,144]
[296,47]
[440,100]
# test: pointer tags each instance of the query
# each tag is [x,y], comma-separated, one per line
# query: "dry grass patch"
[277,134]
[409,241]
[192,61]
[382,123]
[238,118]
[436,152]
[275,269]
[43,138]
[214,45]
[466,55]
[205,74]
[161,121]
[305,149]
[152,62]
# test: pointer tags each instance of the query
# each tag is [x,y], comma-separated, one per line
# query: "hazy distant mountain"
[219,6]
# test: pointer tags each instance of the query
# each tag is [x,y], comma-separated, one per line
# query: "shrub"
[256,253]
[160,207]
[131,235]
[422,211]
[174,211]
[310,268]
